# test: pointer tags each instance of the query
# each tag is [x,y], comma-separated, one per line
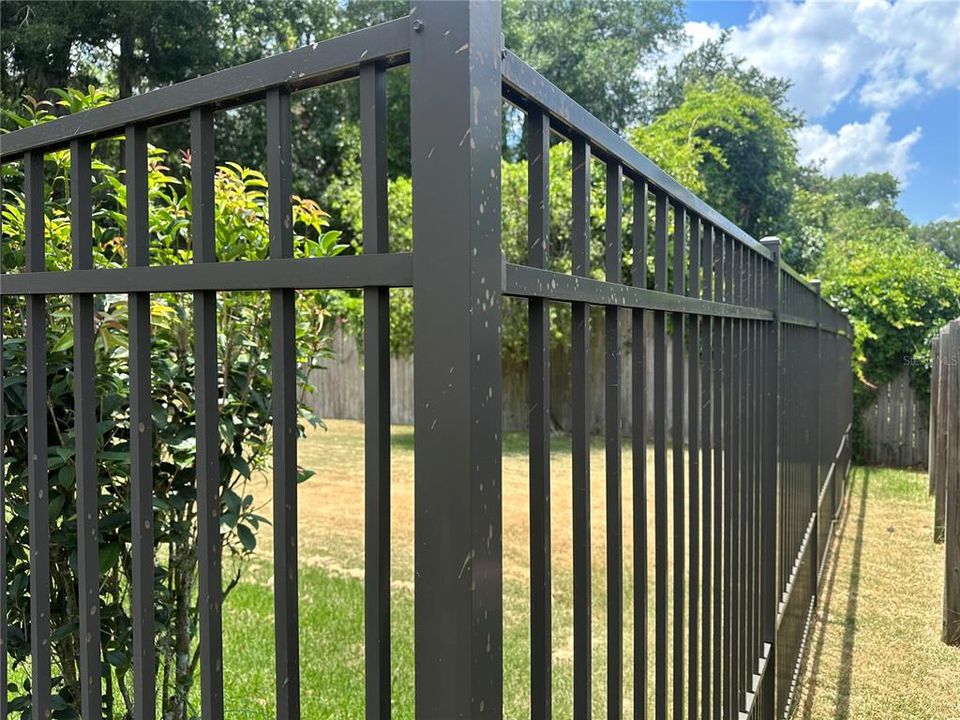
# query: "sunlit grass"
[877,650]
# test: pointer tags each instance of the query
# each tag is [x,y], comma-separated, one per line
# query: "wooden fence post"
[942,437]
[950,366]
[934,416]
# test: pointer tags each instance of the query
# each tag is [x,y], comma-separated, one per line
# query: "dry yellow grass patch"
[331,503]
[876,647]
[876,643]
[331,532]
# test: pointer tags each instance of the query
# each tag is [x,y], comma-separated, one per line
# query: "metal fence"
[742,511]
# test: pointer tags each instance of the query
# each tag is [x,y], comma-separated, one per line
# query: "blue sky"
[879,84]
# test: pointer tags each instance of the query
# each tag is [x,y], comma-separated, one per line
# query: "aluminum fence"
[742,510]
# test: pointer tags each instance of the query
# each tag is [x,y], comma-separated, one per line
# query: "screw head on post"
[418,25]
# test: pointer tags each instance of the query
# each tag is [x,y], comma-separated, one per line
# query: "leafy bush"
[245,413]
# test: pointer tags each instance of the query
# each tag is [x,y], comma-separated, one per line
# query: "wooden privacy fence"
[741,514]
[337,386]
[945,467]
[895,426]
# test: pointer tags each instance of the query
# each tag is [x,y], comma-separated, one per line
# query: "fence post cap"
[771,241]
[816,285]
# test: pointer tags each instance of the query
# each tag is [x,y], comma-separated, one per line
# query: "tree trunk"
[183,673]
[126,64]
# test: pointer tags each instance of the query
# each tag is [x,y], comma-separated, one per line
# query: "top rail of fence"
[523,84]
[321,63]
[340,58]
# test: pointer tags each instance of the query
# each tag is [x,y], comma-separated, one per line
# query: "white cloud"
[880,52]
[858,148]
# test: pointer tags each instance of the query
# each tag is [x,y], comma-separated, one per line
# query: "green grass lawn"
[877,649]
[882,653]
[331,591]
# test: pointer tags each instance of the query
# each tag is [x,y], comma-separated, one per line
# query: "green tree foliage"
[942,235]
[899,292]
[693,142]
[822,206]
[245,416]
[59,44]
[708,64]
[592,49]
[748,163]
[134,47]
[849,232]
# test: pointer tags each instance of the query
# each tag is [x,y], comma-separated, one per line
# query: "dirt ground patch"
[331,503]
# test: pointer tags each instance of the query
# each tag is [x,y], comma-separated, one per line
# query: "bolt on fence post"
[455,121]
[770,482]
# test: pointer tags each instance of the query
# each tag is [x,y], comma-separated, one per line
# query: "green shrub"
[245,413]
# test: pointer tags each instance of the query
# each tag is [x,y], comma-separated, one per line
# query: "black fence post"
[770,481]
[455,114]
[818,457]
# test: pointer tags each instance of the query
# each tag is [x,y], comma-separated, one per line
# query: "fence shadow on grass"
[842,706]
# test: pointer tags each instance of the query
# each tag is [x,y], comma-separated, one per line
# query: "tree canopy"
[720,126]
[729,145]
[592,49]
[943,236]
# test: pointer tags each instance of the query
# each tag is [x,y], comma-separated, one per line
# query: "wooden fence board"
[895,426]
[945,469]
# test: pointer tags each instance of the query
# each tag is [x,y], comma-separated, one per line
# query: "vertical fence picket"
[730,497]
[38,481]
[284,407]
[676,436]
[210,589]
[660,456]
[707,485]
[612,256]
[141,431]
[943,435]
[816,458]
[950,366]
[693,491]
[770,584]
[538,238]
[639,232]
[580,371]
[721,326]
[85,436]
[932,453]
[376,348]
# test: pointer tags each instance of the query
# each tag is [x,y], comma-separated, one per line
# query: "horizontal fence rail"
[724,562]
